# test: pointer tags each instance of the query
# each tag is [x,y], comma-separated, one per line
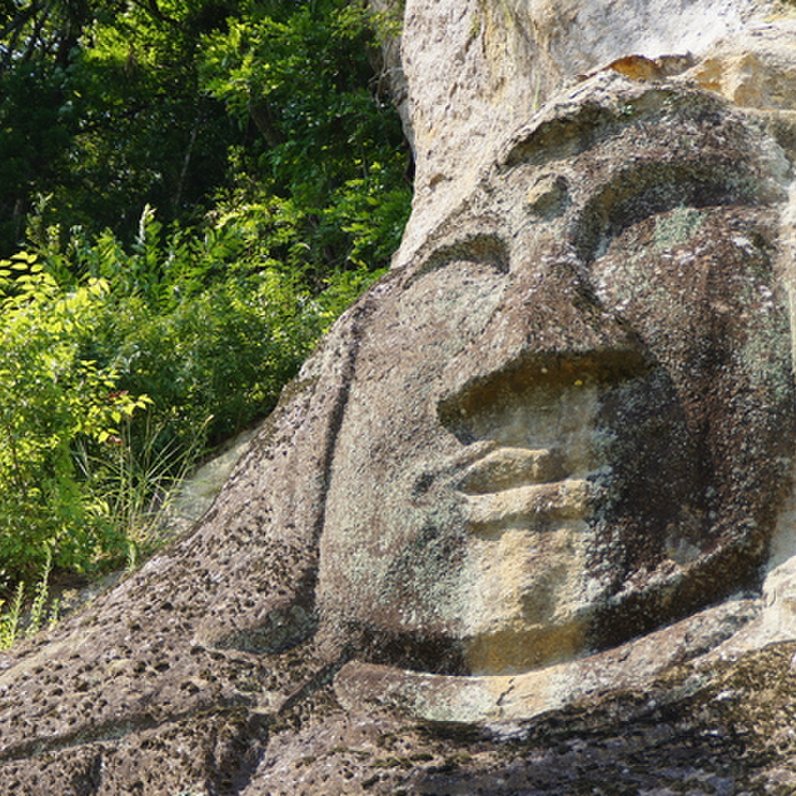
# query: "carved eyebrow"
[584,119]
[647,188]
[482,247]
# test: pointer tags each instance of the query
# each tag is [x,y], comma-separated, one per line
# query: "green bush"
[108,106]
[261,131]
[197,329]
[210,326]
[50,397]
[204,328]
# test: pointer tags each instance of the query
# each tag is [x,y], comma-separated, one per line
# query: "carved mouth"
[530,506]
[506,468]
[523,488]
[529,479]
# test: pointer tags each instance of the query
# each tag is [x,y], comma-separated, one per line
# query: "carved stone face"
[570,418]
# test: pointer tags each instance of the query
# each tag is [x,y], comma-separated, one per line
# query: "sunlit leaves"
[271,173]
[50,396]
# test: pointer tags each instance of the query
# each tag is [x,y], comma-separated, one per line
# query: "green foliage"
[260,131]
[211,325]
[100,107]
[303,76]
[135,480]
[42,611]
[206,329]
[108,106]
[41,595]
[10,617]
[50,395]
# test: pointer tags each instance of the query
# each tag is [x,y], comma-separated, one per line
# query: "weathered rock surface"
[525,523]
[478,69]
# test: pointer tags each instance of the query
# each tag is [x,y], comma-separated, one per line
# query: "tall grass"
[135,482]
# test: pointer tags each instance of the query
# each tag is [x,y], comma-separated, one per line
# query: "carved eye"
[480,248]
[679,272]
[449,300]
[650,188]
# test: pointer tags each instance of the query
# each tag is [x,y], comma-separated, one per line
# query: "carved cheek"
[389,545]
[696,286]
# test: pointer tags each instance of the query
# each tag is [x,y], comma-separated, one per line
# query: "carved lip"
[506,468]
[523,487]
[537,504]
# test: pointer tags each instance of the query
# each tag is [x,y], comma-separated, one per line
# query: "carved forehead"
[685,139]
[609,105]
[596,162]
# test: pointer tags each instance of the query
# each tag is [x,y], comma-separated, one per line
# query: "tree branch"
[154,10]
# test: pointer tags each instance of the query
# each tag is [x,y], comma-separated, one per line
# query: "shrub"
[205,328]
[51,396]
[209,325]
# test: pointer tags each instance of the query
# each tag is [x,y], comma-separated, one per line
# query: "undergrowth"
[135,342]
[122,368]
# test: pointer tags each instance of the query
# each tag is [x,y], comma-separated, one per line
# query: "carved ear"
[267,522]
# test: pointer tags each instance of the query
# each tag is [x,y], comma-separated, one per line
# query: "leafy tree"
[110,105]
[101,108]
[202,187]
[302,75]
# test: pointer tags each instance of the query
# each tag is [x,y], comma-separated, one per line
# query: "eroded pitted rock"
[536,467]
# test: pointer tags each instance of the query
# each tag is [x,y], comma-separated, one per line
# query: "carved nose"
[549,329]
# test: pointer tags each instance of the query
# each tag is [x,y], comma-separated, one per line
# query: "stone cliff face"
[478,70]
[525,522]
